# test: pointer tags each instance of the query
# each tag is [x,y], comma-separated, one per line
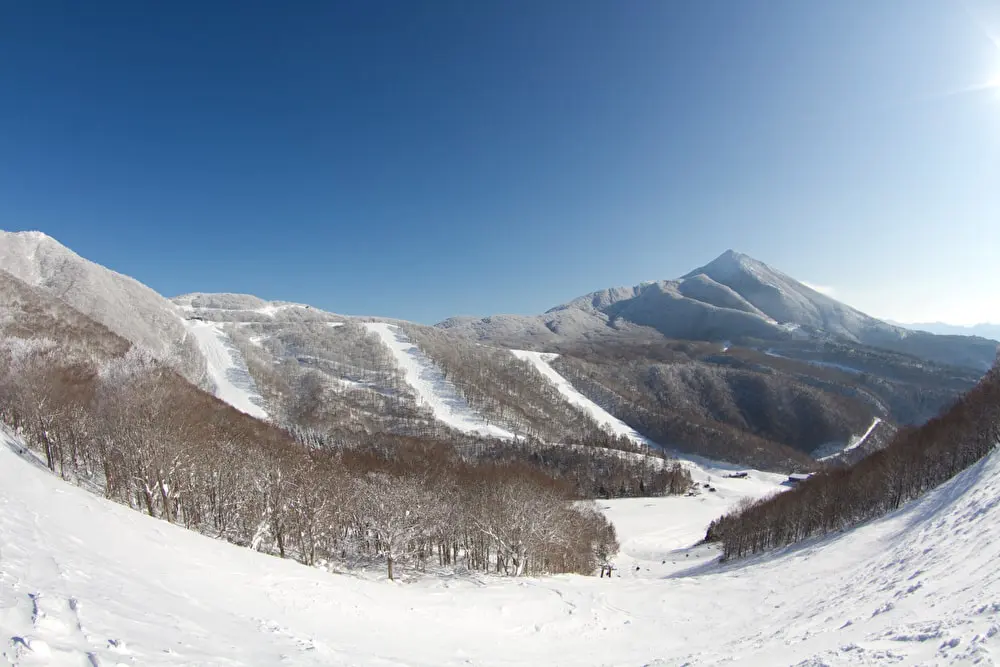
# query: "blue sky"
[428,159]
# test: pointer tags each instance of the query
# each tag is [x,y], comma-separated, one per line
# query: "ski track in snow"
[86,582]
[226,368]
[855,442]
[430,385]
[701,468]
[540,360]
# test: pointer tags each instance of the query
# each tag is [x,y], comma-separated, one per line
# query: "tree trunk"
[165,498]
[148,497]
[388,561]
[48,445]
[279,537]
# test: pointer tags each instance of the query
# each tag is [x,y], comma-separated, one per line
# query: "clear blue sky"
[427,159]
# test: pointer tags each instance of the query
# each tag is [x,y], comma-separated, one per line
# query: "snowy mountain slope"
[344,378]
[85,581]
[124,305]
[226,369]
[291,351]
[313,369]
[702,468]
[430,385]
[540,361]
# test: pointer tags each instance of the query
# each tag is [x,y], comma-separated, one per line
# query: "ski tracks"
[57,636]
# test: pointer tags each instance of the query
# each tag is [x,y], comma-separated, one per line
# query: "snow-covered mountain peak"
[123,304]
[32,235]
[732,265]
[733,297]
[728,263]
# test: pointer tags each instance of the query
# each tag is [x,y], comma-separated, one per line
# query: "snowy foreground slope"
[430,385]
[226,368]
[87,582]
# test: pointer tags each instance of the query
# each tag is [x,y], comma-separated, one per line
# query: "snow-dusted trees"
[597,472]
[521,520]
[507,390]
[394,515]
[157,444]
[327,378]
[102,412]
[917,460]
[705,410]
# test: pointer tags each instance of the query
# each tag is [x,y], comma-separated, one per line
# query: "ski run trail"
[700,467]
[855,441]
[226,368]
[540,360]
[430,385]
[86,582]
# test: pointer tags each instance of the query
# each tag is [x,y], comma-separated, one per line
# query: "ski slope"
[701,468]
[656,534]
[855,441]
[540,360]
[226,368]
[86,582]
[430,385]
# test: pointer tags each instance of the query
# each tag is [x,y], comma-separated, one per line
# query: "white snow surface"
[540,360]
[226,368]
[84,581]
[431,386]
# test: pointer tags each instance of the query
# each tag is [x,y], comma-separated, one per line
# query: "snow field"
[430,385]
[87,582]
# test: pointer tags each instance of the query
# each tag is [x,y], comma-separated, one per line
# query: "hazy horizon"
[820,288]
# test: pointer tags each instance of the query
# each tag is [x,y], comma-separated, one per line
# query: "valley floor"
[87,582]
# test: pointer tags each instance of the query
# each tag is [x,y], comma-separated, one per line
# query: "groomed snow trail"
[855,441]
[702,469]
[84,581]
[226,368]
[430,385]
[540,360]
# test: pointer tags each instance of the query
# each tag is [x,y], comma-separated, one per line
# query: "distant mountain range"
[734,361]
[982,330]
[733,298]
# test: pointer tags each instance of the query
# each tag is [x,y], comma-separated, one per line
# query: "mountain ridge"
[988,330]
[734,297]
[123,304]
[754,389]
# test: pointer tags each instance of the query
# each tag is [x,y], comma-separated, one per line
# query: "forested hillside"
[917,460]
[106,414]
